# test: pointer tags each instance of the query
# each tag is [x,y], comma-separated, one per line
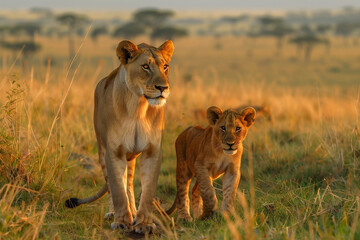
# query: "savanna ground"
[300,171]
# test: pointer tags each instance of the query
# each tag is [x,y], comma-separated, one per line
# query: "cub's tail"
[173,208]
[74,202]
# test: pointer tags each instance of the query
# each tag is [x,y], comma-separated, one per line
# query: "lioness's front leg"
[130,187]
[230,185]
[149,172]
[116,169]
[207,192]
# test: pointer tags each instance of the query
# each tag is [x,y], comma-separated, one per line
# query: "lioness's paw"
[122,226]
[142,218]
[145,229]
[109,215]
[143,223]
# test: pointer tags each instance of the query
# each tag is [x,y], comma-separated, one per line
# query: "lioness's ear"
[213,114]
[167,49]
[247,116]
[125,51]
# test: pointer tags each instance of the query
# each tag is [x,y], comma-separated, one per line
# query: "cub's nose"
[161,88]
[231,144]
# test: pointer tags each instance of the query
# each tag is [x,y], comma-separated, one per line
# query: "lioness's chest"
[136,135]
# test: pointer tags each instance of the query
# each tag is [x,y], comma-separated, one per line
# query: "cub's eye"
[146,67]
[223,128]
[238,129]
[166,67]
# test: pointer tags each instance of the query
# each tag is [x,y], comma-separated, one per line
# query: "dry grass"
[300,171]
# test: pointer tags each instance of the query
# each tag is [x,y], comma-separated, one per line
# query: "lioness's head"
[147,69]
[231,126]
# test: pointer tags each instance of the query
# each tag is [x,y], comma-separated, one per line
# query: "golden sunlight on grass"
[300,171]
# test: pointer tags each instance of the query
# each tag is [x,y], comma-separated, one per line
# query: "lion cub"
[207,154]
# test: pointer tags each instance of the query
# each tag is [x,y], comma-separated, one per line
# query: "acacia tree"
[3,31]
[233,21]
[28,49]
[30,29]
[153,20]
[98,31]
[168,32]
[322,30]
[307,42]
[73,22]
[129,30]
[346,29]
[275,27]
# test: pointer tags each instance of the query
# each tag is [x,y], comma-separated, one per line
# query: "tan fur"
[129,119]
[206,154]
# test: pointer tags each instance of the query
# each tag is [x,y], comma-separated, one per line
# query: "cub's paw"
[227,211]
[207,215]
[121,226]
[197,213]
[185,218]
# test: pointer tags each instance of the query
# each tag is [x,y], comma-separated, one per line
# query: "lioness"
[207,154]
[129,119]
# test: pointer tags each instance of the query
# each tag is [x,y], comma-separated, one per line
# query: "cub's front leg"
[149,172]
[230,184]
[207,192]
[116,168]
[196,201]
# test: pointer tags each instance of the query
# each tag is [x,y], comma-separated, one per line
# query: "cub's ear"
[167,49]
[213,114]
[125,51]
[247,116]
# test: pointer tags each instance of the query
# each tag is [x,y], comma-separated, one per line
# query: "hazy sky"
[179,4]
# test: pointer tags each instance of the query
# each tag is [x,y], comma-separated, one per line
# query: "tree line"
[159,24]
[151,22]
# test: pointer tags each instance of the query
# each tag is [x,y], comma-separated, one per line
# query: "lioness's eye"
[166,67]
[145,66]
[223,128]
[238,129]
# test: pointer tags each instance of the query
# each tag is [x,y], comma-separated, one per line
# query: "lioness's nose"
[161,88]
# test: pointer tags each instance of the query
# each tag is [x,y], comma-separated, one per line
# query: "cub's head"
[231,126]
[147,69]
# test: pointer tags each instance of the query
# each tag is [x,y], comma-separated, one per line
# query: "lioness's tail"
[74,202]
